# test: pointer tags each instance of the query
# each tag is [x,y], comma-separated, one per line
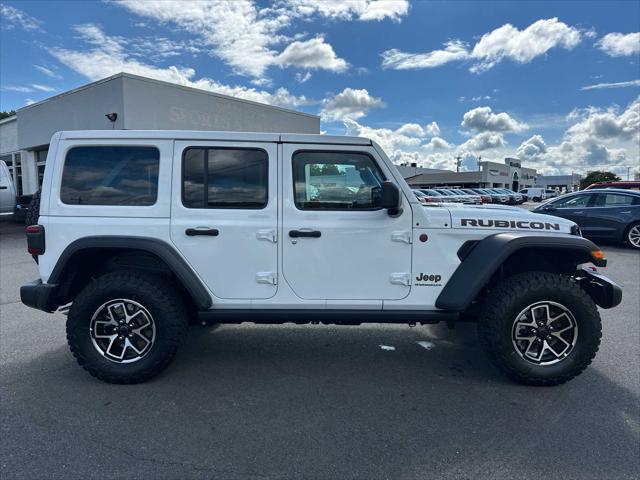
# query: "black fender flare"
[482,260]
[183,272]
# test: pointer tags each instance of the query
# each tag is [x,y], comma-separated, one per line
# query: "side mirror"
[390,198]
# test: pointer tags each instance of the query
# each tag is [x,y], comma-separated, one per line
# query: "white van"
[7,191]
[536,194]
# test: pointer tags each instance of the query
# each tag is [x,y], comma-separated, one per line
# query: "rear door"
[338,244]
[224,215]
[572,207]
[608,215]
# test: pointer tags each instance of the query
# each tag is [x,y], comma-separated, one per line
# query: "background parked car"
[507,198]
[467,198]
[551,193]
[535,193]
[431,196]
[623,185]
[611,214]
[495,196]
[449,196]
[484,198]
[7,192]
[514,197]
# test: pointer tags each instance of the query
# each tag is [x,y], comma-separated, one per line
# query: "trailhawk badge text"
[470,222]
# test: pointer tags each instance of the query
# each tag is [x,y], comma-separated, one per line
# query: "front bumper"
[39,295]
[604,291]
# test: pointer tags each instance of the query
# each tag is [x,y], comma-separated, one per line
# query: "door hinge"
[268,234]
[269,278]
[401,236]
[400,279]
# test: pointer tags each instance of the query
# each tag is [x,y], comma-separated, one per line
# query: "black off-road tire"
[153,293]
[33,210]
[511,297]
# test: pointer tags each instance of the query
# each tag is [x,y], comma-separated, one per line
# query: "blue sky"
[554,83]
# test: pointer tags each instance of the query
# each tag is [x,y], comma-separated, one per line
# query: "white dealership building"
[131,102]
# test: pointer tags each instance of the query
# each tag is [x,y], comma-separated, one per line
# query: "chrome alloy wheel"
[122,330]
[634,236]
[544,333]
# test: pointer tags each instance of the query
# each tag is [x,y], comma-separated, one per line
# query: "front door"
[224,215]
[337,243]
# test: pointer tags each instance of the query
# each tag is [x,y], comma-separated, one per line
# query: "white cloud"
[412,130]
[303,77]
[311,54]
[620,44]
[28,88]
[349,104]
[482,119]
[608,124]
[483,141]
[389,140]
[109,56]
[47,71]
[437,143]
[454,50]
[505,42]
[13,17]
[433,129]
[364,10]
[631,83]
[248,37]
[29,101]
[532,148]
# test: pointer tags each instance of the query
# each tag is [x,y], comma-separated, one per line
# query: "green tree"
[5,114]
[598,176]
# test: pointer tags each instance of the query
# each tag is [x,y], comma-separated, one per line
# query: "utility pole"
[479,163]
[628,168]
[458,163]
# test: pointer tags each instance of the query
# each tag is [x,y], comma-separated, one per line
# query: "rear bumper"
[604,291]
[39,295]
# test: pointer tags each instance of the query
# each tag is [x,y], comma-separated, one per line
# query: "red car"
[625,185]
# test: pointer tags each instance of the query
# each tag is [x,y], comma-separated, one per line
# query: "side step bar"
[327,316]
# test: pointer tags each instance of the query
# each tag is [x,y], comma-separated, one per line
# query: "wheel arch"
[497,256]
[90,256]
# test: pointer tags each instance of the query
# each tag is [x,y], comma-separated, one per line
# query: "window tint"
[110,176]
[613,200]
[225,178]
[336,181]
[574,201]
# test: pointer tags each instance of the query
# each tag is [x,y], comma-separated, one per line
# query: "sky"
[556,84]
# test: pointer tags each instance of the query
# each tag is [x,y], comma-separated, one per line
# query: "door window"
[613,200]
[574,201]
[336,181]
[225,178]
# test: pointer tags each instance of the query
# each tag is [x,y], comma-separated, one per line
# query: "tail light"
[35,239]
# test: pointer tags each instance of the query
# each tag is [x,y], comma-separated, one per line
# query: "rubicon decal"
[428,280]
[471,222]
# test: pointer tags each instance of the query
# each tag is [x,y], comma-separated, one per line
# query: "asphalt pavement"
[281,402]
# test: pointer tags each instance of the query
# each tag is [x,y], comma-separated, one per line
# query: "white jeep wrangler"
[141,231]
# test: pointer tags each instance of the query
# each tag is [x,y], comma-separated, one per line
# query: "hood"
[503,218]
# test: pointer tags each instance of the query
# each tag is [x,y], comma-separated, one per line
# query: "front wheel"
[125,327]
[632,235]
[540,328]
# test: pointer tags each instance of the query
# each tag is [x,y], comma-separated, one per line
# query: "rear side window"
[117,175]
[225,178]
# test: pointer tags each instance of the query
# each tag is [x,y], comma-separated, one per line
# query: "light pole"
[458,163]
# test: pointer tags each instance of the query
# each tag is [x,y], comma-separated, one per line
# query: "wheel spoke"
[117,331]
[548,341]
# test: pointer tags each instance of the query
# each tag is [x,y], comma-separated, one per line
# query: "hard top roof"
[201,135]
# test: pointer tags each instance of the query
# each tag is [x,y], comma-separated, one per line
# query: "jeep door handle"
[3,187]
[304,233]
[193,232]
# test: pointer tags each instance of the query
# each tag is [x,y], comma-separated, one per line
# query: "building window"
[118,176]
[41,160]
[336,181]
[225,178]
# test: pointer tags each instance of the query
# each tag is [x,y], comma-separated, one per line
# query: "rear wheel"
[540,328]
[125,327]
[632,235]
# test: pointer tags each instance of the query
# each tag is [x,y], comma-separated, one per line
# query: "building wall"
[154,105]
[566,183]
[8,135]
[81,109]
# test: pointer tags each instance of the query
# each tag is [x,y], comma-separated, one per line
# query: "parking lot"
[313,401]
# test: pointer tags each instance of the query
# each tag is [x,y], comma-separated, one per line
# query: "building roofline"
[161,82]
[12,118]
